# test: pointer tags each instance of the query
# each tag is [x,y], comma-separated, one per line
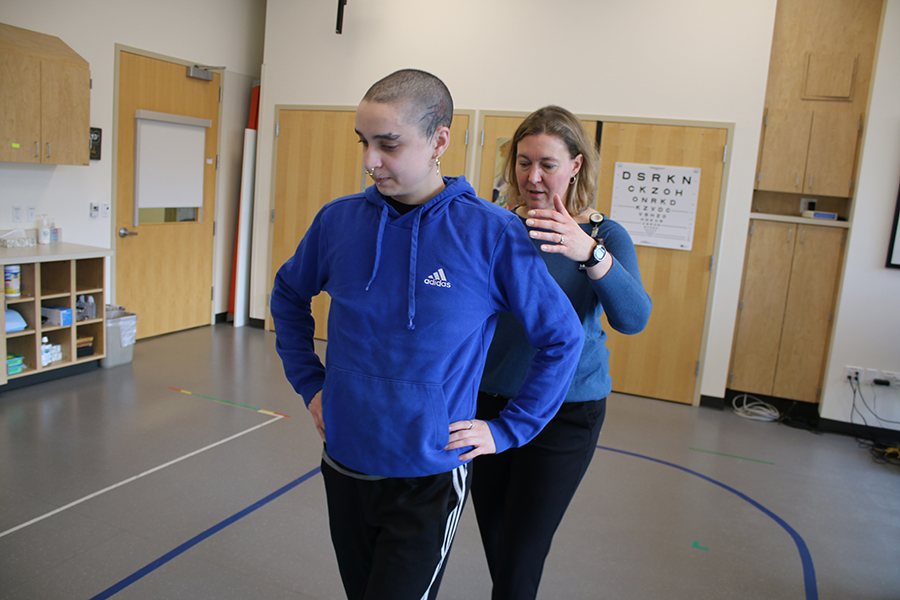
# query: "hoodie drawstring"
[381,224]
[413,257]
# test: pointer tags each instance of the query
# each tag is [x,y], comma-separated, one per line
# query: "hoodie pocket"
[383,426]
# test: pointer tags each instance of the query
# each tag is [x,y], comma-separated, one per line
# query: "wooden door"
[663,361]
[20,118]
[319,158]
[767,274]
[832,153]
[65,114]
[784,149]
[164,274]
[808,312]
[497,131]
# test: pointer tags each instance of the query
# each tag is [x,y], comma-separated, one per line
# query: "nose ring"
[370,172]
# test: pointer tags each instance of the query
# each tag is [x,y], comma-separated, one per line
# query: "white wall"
[693,60]
[214,32]
[867,330]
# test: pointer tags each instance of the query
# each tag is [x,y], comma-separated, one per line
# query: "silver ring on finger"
[562,240]
[471,425]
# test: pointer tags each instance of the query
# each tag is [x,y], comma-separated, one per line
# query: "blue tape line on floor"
[809,572]
[115,589]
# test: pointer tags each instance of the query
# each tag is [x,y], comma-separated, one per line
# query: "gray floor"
[162,494]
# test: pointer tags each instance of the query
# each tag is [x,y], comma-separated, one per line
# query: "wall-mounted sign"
[656,204]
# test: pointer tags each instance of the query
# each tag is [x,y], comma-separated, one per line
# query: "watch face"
[599,252]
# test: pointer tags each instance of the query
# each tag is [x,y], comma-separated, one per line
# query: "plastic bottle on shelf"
[90,308]
[46,352]
[44,230]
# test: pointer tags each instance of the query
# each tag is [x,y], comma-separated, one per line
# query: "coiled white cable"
[756,409]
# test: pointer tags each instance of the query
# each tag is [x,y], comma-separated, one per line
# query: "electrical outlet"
[95,210]
[871,376]
[104,210]
[17,214]
[855,373]
[893,377]
[30,214]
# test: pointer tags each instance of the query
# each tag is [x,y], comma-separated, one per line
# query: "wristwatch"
[598,254]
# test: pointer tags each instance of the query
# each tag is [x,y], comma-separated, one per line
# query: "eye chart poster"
[656,204]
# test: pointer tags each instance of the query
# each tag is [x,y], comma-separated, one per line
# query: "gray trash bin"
[121,331]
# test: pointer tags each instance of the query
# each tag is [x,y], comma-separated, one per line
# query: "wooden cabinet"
[45,100]
[809,152]
[785,314]
[56,283]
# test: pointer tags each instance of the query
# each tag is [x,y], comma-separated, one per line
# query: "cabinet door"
[20,118]
[832,153]
[65,114]
[766,278]
[785,146]
[807,314]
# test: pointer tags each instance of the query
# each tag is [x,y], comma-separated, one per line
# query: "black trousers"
[521,495]
[392,536]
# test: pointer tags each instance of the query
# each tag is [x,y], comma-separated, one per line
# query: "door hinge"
[711,260]
[697,370]
[273,215]
[751,228]
[759,177]
[741,305]
[277,128]
[830,316]
[766,121]
[91,84]
[731,377]
[725,154]
[220,93]
[212,293]
[214,229]
[217,162]
[467,137]
[482,137]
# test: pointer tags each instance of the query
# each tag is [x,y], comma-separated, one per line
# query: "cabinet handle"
[37,149]
[810,181]
[802,236]
[790,232]
[48,149]
[798,180]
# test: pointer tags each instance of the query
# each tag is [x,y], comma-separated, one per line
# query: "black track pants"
[392,536]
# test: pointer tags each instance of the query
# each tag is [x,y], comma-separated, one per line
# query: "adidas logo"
[438,279]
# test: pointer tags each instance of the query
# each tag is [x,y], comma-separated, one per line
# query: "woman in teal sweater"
[520,496]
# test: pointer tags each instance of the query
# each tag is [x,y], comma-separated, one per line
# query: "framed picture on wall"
[893,257]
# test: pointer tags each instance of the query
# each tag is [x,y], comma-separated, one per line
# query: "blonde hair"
[560,123]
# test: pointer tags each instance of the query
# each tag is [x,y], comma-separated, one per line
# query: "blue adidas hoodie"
[414,303]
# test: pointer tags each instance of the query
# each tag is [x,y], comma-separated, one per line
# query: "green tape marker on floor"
[698,546]
[732,456]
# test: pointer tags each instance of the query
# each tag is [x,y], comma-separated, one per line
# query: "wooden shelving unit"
[53,279]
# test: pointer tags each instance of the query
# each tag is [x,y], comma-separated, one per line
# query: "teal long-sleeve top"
[620,293]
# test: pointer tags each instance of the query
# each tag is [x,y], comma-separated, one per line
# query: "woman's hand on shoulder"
[561,232]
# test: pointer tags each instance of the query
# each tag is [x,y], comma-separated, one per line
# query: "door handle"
[123,232]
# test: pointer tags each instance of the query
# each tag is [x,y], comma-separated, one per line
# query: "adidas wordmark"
[438,279]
